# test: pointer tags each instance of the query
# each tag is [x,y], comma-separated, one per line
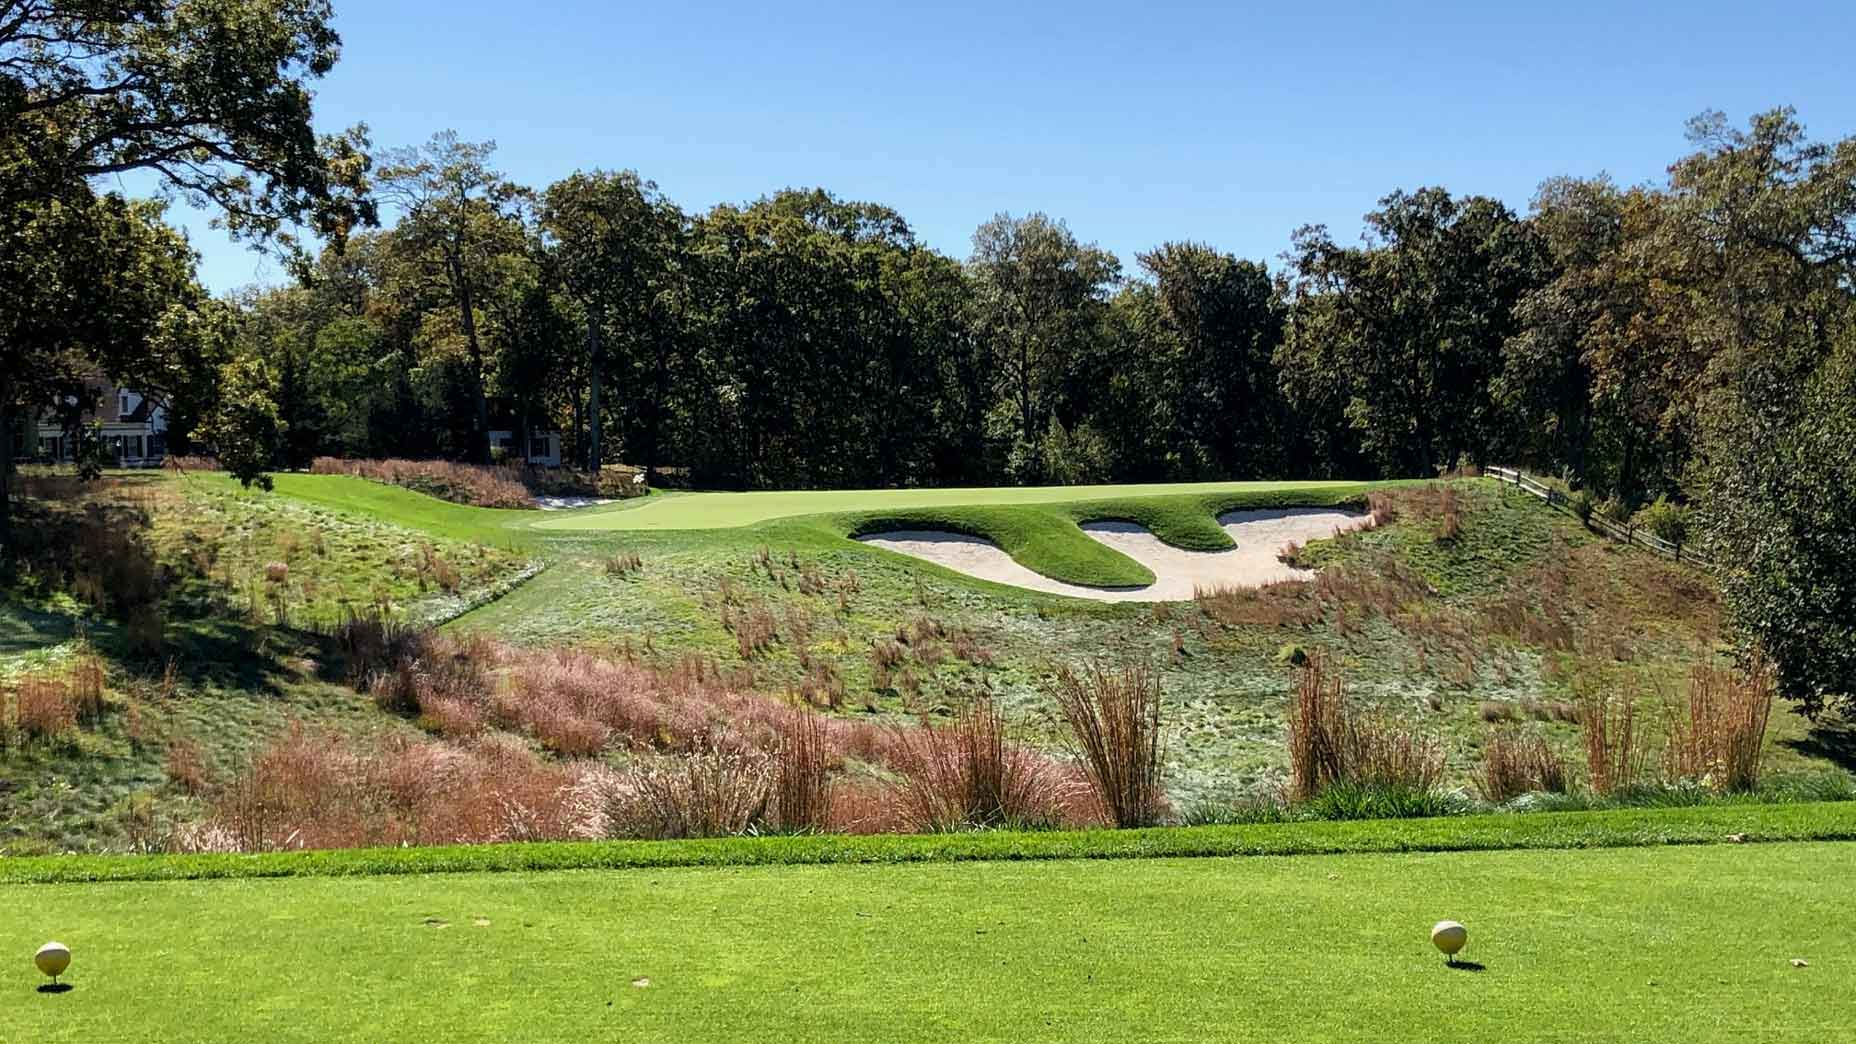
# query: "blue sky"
[1227,123]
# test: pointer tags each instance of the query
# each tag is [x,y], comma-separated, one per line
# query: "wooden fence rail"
[1619,531]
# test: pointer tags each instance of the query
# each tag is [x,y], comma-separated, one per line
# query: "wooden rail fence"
[1620,531]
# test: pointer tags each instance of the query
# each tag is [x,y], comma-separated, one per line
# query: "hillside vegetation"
[1469,612]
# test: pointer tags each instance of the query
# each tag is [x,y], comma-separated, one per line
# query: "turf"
[1617,828]
[726,510]
[1662,944]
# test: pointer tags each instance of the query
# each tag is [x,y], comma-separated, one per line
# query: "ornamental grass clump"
[1115,724]
[1719,734]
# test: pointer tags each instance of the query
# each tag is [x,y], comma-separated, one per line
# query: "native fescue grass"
[1114,718]
[1516,763]
[967,774]
[1617,756]
[1719,734]
[1333,746]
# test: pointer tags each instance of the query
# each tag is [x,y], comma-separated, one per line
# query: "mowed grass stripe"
[1690,944]
[1710,824]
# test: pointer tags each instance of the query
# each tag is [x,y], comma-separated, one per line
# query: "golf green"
[727,510]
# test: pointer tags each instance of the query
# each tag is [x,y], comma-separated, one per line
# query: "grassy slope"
[397,506]
[1663,944]
[236,682]
[1225,688]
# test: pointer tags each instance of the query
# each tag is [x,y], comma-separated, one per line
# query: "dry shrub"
[887,655]
[968,649]
[802,792]
[1616,756]
[87,681]
[373,643]
[493,487]
[1381,511]
[754,628]
[1720,734]
[623,564]
[1451,510]
[866,806]
[1380,582]
[276,572]
[183,463]
[1493,711]
[822,686]
[1331,744]
[312,789]
[186,767]
[1514,764]
[1114,719]
[452,718]
[966,774]
[710,792]
[1285,603]
[42,708]
[1551,710]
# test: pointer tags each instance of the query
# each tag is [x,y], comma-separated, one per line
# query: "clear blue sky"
[1136,123]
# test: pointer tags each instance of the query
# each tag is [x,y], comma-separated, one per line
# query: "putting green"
[1683,943]
[728,510]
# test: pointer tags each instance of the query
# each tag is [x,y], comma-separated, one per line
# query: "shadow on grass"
[1832,741]
[1466,966]
[23,629]
[225,653]
[56,987]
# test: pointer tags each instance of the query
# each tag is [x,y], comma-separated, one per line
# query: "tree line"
[1688,341]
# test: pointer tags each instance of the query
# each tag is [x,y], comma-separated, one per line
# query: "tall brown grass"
[1114,719]
[1514,763]
[1285,603]
[967,774]
[1330,742]
[709,756]
[493,487]
[317,789]
[1720,734]
[42,708]
[1616,755]
[802,792]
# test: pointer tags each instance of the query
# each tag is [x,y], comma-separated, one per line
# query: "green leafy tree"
[246,428]
[1040,301]
[460,230]
[212,97]
[1404,333]
[85,288]
[1223,319]
[1764,237]
[613,241]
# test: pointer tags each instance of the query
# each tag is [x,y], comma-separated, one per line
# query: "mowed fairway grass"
[1675,943]
[728,510]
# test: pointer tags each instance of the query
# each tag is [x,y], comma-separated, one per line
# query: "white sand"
[1259,535]
[569,503]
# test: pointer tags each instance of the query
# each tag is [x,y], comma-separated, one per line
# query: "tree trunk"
[654,418]
[596,365]
[467,314]
[6,470]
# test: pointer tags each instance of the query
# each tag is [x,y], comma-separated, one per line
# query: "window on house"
[123,414]
[538,446]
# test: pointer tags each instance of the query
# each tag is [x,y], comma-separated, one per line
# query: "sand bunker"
[1259,535]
